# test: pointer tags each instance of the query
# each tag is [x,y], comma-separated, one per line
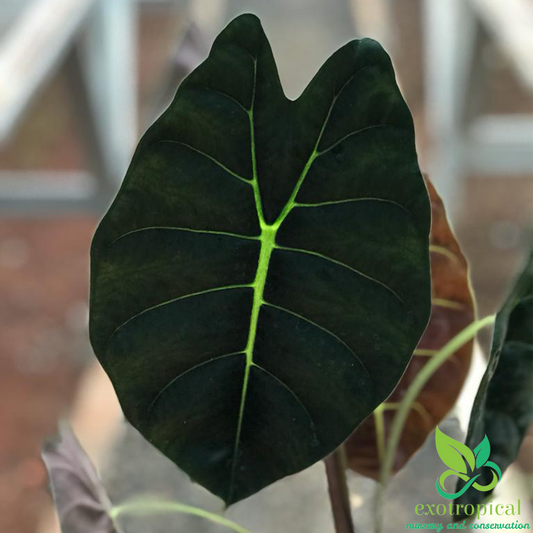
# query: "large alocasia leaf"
[452,310]
[503,408]
[262,278]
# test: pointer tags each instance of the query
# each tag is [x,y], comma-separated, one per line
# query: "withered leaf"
[81,501]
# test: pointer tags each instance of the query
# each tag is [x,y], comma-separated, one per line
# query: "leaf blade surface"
[452,311]
[503,407]
[247,327]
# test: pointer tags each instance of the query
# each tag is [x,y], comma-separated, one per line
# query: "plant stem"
[436,361]
[466,335]
[146,506]
[338,491]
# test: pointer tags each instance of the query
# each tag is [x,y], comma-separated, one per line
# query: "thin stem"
[339,494]
[466,335]
[379,422]
[146,506]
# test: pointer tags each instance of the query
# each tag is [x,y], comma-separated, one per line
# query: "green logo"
[464,463]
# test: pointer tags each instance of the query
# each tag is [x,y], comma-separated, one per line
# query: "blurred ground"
[44,263]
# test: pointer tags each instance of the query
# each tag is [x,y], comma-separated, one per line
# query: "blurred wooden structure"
[97,40]
[465,140]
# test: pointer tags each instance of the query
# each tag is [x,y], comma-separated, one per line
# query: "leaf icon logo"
[482,452]
[463,463]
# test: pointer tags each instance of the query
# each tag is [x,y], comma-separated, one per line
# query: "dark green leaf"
[262,278]
[503,408]
[452,310]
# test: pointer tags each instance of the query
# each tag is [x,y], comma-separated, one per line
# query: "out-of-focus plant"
[262,280]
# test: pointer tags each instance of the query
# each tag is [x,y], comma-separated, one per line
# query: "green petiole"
[146,506]
[466,335]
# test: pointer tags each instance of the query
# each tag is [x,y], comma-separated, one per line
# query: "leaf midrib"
[258,284]
[268,244]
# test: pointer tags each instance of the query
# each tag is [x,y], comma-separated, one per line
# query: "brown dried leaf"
[81,501]
[452,310]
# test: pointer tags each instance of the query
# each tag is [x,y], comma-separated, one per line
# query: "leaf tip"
[247,22]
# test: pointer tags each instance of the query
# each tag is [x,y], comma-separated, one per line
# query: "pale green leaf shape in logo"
[454,454]
[462,462]
[482,452]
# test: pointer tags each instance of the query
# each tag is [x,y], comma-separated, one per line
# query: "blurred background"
[81,80]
